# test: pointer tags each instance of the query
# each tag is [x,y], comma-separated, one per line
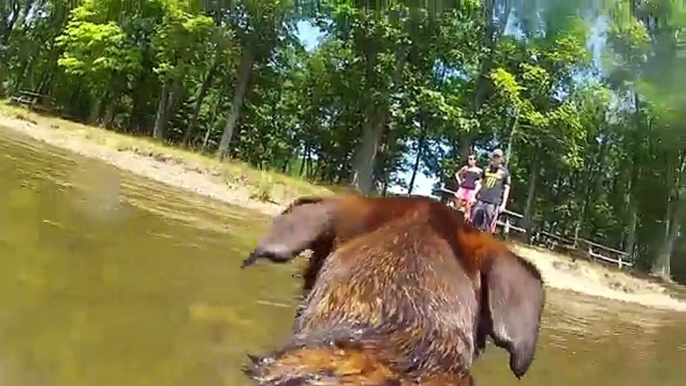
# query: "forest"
[585,97]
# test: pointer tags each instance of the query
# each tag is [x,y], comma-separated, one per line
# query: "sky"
[310,36]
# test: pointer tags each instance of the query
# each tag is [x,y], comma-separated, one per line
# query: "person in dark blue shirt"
[492,195]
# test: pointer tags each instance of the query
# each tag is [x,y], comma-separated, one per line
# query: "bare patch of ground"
[593,279]
[231,182]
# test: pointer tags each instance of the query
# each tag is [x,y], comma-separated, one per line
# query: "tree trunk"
[661,266]
[465,147]
[510,141]
[138,104]
[8,25]
[202,93]
[384,186]
[94,113]
[632,209]
[676,213]
[363,177]
[592,186]
[171,95]
[245,69]
[2,77]
[159,132]
[631,232]
[303,160]
[48,75]
[585,205]
[207,137]
[212,119]
[633,180]
[373,129]
[308,164]
[530,198]
[111,106]
[108,120]
[482,82]
[415,167]
[27,68]
[175,97]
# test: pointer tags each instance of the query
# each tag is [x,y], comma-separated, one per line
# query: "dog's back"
[407,298]
[389,307]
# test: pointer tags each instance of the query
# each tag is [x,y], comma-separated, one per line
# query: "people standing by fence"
[492,194]
[468,180]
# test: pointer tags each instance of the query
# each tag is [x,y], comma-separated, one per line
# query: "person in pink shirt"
[469,181]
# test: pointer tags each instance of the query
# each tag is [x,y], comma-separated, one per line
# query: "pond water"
[110,279]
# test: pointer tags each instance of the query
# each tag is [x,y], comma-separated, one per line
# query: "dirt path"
[159,164]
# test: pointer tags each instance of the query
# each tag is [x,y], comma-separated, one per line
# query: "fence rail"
[508,225]
[34,101]
[552,241]
[606,254]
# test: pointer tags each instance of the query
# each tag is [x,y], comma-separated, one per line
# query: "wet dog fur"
[402,292]
[295,221]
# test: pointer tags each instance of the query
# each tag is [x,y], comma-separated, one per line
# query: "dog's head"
[316,221]
[296,229]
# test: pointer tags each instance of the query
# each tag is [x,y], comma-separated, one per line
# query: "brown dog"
[407,296]
[356,215]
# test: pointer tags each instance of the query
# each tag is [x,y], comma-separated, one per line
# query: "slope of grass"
[265,185]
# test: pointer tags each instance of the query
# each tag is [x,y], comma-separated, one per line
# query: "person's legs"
[478,214]
[465,196]
[494,220]
[455,202]
[489,217]
[483,214]
[469,198]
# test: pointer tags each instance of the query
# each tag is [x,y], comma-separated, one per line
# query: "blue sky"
[310,36]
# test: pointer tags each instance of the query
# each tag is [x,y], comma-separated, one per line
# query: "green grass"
[265,185]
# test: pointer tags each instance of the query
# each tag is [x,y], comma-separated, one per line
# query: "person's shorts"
[483,215]
[466,194]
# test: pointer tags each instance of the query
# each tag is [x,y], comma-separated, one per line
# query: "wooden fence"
[509,224]
[508,221]
[34,101]
[606,254]
[590,249]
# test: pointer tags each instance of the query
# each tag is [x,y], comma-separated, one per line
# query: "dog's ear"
[295,230]
[303,201]
[512,305]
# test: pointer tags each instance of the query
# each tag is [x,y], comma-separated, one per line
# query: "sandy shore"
[592,279]
[208,177]
[228,182]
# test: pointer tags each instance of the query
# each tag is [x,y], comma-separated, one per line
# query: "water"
[109,279]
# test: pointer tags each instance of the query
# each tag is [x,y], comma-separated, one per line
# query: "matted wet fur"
[407,296]
[365,215]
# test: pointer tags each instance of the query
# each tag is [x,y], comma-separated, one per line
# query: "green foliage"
[263,190]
